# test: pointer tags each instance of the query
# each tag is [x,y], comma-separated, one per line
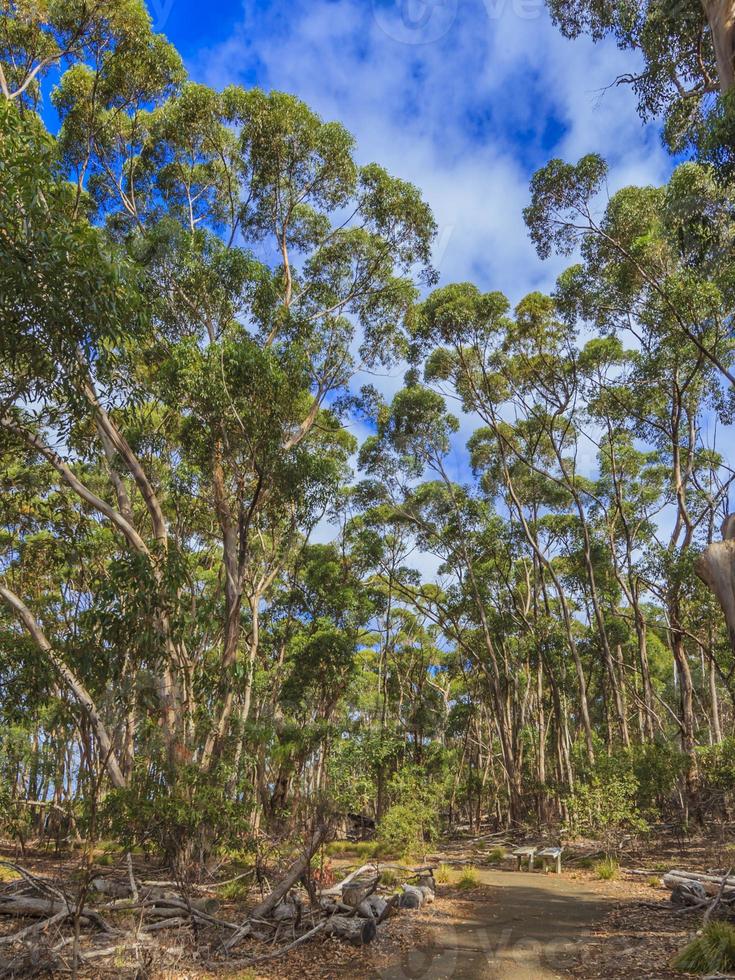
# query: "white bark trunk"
[716,567]
[721,19]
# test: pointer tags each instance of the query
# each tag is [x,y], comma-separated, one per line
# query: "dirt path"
[523,927]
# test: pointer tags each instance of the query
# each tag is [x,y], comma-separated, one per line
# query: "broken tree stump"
[710,883]
[356,891]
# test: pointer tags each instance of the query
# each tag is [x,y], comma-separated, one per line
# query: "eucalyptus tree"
[182,389]
[467,332]
[656,266]
[629,495]
[687,50]
[449,521]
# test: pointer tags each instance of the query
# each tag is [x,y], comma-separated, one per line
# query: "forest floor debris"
[510,925]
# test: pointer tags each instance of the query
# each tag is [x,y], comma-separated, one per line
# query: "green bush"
[413,818]
[188,822]
[402,830]
[658,769]
[607,869]
[606,805]
[496,855]
[713,952]
[717,775]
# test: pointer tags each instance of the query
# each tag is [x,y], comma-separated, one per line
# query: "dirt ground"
[511,926]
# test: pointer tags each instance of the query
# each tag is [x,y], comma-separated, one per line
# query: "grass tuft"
[607,869]
[234,890]
[443,874]
[341,849]
[713,952]
[469,879]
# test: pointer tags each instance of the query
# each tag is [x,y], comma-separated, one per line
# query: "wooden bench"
[551,855]
[527,854]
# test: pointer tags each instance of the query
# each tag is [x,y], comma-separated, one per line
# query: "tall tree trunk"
[721,19]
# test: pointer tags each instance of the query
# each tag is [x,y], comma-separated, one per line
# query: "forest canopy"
[190,282]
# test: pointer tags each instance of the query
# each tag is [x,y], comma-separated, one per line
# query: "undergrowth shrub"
[188,823]
[716,790]
[413,818]
[604,803]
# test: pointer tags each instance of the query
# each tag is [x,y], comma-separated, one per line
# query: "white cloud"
[467,117]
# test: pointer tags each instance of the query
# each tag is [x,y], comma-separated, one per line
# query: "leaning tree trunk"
[721,19]
[716,567]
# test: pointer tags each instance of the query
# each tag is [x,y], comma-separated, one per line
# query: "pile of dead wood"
[54,917]
[698,890]
[350,911]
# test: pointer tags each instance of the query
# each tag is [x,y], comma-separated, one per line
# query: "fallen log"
[710,884]
[251,961]
[378,906]
[108,886]
[34,908]
[337,889]
[411,898]
[172,923]
[33,930]
[291,877]
[354,930]
[701,876]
